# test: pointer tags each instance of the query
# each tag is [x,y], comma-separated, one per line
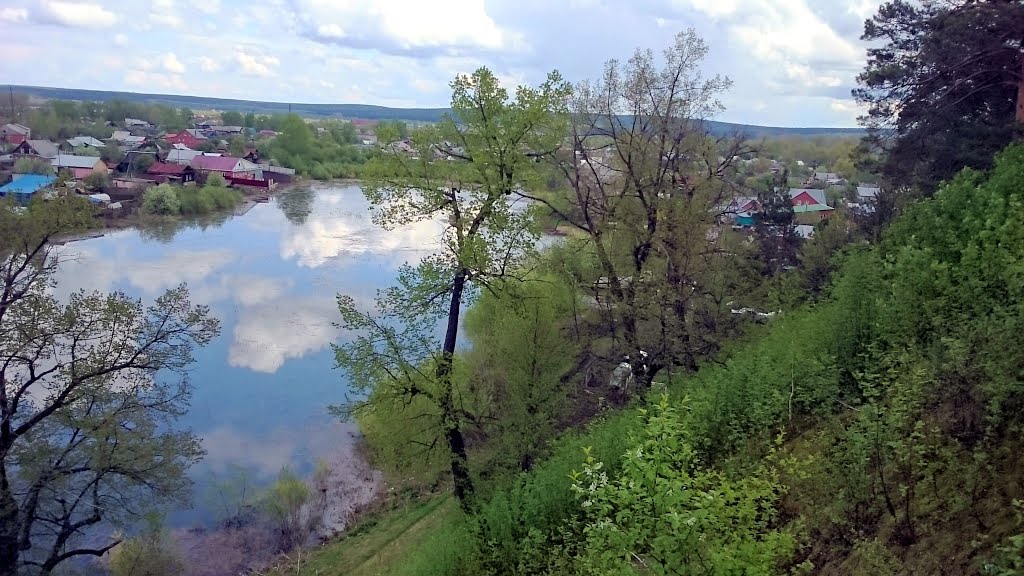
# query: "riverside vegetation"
[871,426]
[611,415]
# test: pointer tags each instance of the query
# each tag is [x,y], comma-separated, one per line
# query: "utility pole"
[11,88]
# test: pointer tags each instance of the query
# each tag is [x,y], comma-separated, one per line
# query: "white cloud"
[253,65]
[76,15]
[13,15]
[207,64]
[210,7]
[404,25]
[172,64]
[330,31]
[267,335]
[120,39]
[333,231]
[808,78]
[165,12]
[849,109]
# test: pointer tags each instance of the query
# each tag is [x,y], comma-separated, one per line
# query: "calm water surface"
[262,388]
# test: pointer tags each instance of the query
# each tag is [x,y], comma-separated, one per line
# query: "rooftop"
[27,184]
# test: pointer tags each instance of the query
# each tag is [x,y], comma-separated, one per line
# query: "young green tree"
[522,350]
[33,166]
[151,553]
[250,120]
[89,391]
[236,146]
[465,173]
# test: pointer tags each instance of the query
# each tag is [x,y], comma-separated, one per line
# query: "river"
[262,388]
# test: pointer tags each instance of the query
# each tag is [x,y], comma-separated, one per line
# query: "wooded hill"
[363,111]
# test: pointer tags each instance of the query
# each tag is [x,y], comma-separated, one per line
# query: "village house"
[829,178]
[867,193]
[80,166]
[24,186]
[136,123]
[809,205]
[84,142]
[41,148]
[228,166]
[188,138]
[177,173]
[126,138]
[15,133]
[181,155]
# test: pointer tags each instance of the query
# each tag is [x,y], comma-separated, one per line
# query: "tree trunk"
[8,529]
[449,413]
[1020,92]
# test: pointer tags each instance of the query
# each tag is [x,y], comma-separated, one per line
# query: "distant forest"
[362,111]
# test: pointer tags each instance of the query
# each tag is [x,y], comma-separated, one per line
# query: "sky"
[792,62]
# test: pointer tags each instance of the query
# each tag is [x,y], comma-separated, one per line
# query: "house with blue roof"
[25,185]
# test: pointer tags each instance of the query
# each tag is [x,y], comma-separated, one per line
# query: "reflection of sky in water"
[271,276]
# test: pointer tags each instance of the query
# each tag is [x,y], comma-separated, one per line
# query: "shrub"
[216,179]
[665,513]
[161,200]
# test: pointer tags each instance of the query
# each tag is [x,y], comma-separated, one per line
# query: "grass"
[380,545]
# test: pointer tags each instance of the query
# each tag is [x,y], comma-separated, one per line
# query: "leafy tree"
[944,78]
[186,117]
[231,118]
[522,352]
[111,153]
[236,146]
[30,165]
[97,181]
[645,184]
[494,142]
[98,445]
[250,120]
[161,200]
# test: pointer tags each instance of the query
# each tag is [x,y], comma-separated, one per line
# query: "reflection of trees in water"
[296,204]
[164,229]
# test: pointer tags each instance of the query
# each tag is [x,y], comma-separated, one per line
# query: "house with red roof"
[179,173]
[15,133]
[228,166]
[185,137]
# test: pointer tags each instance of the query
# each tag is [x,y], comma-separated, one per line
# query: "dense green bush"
[161,200]
[664,512]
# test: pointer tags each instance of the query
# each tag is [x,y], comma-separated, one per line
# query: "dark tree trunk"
[9,532]
[1020,92]
[449,412]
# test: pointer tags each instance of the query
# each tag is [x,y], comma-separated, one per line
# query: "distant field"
[363,111]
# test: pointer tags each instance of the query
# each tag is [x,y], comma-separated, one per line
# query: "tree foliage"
[99,445]
[465,172]
[645,183]
[944,78]
[162,200]
[30,165]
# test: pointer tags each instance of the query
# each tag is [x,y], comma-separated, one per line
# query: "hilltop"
[364,111]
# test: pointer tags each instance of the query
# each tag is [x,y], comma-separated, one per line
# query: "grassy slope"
[379,545]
